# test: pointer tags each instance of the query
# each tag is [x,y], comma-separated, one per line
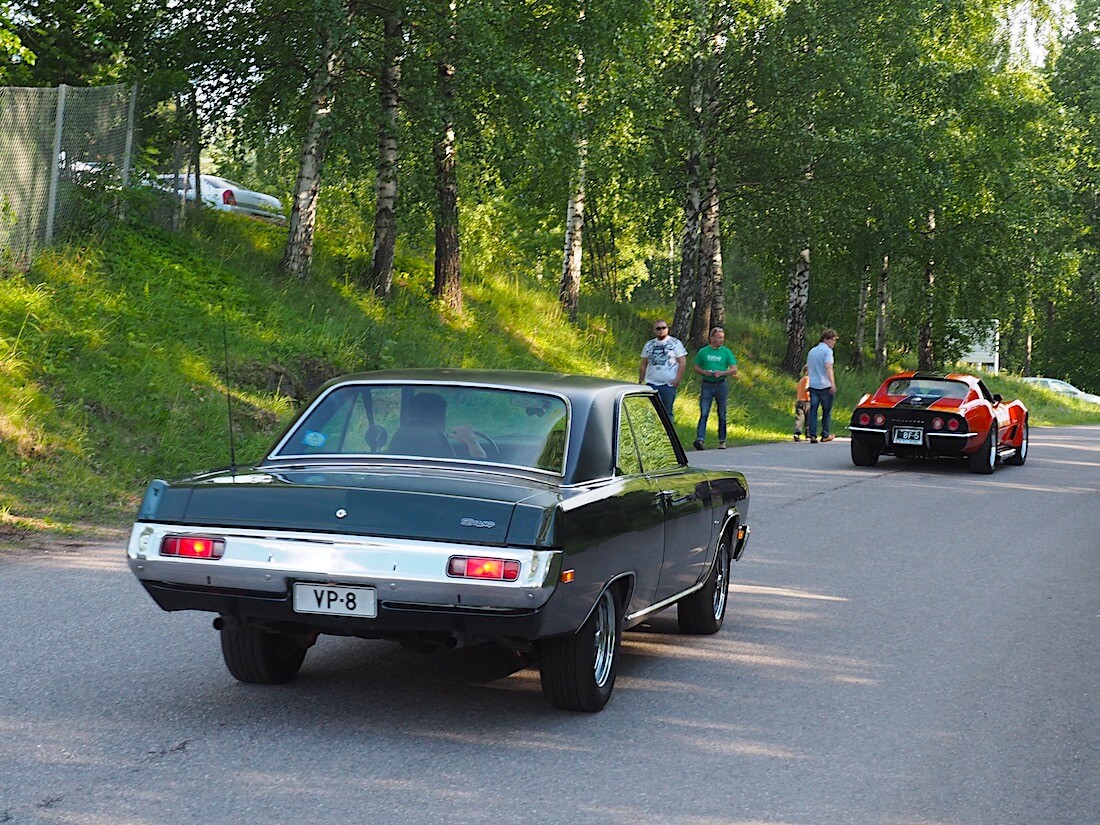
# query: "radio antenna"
[228,396]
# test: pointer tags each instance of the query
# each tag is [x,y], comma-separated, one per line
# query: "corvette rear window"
[928,387]
[466,423]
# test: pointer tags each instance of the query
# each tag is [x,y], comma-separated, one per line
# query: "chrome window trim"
[275,453]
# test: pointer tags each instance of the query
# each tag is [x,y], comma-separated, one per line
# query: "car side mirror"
[997,398]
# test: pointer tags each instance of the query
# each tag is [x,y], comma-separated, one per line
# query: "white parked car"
[225,195]
[1063,388]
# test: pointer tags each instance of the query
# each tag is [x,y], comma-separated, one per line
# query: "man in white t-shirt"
[663,362]
[822,386]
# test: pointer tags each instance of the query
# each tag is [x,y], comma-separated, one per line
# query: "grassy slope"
[112,367]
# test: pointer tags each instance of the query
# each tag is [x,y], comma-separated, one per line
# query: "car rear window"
[927,387]
[463,423]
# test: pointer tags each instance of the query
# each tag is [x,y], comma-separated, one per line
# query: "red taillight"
[880,419]
[475,567]
[228,198]
[953,424]
[192,547]
[864,419]
[937,423]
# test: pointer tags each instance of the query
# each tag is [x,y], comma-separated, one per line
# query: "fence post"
[55,161]
[129,137]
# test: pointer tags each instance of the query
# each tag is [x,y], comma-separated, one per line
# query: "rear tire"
[704,610]
[985,458]
[863,455]
[1020,456]
[259,657]
[578,671]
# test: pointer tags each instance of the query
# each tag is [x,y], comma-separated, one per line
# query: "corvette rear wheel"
[578,671]
[863,455]
[1021,452]
[259,657]
[985,458]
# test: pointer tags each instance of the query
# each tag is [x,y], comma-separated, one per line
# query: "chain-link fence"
[53,144]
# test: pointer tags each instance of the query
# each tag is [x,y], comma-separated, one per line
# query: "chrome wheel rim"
[1023,444]
[604,642]
[721,584]
[992,448]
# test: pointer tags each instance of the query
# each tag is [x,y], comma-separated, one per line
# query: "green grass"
[113,369]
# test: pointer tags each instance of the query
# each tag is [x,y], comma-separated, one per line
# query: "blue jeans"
[667,394]
[712,391]
[824,398]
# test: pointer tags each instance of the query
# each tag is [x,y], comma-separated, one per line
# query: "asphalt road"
[909,645]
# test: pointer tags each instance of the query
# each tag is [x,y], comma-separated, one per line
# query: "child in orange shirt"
[801,403]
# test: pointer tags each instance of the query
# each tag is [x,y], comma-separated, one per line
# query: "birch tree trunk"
[570,288]
[385,189]
[688,286]
[861,315]
[798,297]
[298,255]
[718,281]
[448,277]
[569,291]
[926,354]
[710,260]
[882,298]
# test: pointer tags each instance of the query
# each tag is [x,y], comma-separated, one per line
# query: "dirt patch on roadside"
[17,540]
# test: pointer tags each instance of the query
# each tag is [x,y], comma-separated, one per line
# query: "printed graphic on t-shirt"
[661,354]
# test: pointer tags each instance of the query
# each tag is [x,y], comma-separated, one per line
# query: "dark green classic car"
[543,512]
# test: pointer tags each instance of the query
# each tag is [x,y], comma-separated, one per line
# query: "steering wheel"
[492,451]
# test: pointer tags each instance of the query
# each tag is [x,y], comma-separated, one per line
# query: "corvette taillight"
[937,423]
[880,419]
[192,547]
[864,419]
[228,198]
[477,567]
[953,424]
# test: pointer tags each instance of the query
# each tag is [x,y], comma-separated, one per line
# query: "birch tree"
[385,189]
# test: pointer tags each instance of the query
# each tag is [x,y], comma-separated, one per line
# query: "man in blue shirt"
[822,386]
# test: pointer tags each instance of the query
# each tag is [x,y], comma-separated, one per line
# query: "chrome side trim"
[879,430]
[661,605]
[950,435]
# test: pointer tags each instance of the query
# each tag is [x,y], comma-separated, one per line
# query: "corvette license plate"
[335,601]
[908,435]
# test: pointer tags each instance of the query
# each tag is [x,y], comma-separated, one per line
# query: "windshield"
[481,424]
[927,387]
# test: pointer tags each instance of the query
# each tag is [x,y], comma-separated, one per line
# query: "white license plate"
[908,435]
[335,601]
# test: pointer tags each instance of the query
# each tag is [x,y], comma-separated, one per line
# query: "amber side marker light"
[192,547]
[476,567]
[567,576]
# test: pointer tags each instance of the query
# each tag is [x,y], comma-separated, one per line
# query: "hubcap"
[720,584]
[604,650]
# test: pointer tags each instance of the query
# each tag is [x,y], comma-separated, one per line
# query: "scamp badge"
[473,522]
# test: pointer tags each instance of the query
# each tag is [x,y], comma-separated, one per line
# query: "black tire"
[863,455]
[704,610]
[985,458]
[1020,456]
[578,671]
[260,657]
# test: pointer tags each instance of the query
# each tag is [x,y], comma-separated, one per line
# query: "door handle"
[666,497]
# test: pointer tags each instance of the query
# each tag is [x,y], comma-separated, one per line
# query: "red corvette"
[954,415]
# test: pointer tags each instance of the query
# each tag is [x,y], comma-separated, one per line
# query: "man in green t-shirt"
[714,362]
